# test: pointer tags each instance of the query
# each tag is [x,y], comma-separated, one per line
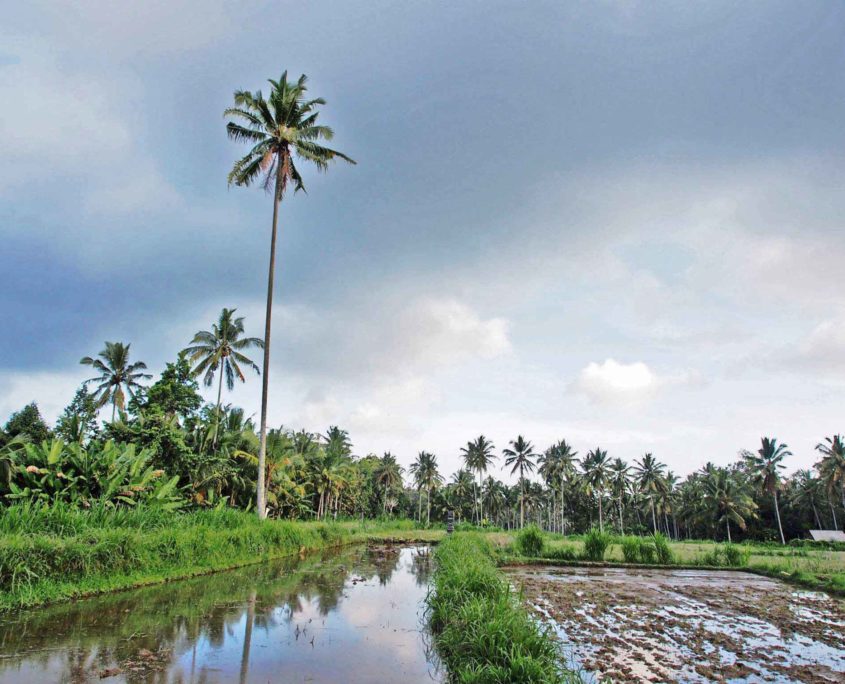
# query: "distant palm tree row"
[573,490]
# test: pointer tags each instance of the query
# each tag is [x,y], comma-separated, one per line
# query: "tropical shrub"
[115,474]
[529,541]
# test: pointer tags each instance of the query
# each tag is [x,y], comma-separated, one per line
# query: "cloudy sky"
[618,223]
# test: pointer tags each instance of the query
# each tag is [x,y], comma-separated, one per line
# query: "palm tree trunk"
[521,502]
[621,518]
[480,499]
[601,522]
[217,412]
[250,619]
[265,371]
[833,513]
[777,514]
[653,517]
[428,507]
[419,505]
[816,516]
[728,523]
[562,513]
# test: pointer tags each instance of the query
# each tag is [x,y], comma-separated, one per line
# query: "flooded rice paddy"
[343,616]
[631,625]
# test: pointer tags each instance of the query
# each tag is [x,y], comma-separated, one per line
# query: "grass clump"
[482,632]
[727,555]
[596,544]
[661,549]
[529,541]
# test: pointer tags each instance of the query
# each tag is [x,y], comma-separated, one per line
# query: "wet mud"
[626,625]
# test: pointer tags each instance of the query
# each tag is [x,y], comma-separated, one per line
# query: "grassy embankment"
[49,555]
[482,631]
[818,569]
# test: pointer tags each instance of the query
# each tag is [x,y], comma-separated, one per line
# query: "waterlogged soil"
[627,625]
[348,616]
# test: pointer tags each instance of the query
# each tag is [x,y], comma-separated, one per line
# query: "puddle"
[688,625]
[353,615]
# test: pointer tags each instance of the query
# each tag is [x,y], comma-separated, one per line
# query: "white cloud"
[615,382]
[822,350]
[52,391]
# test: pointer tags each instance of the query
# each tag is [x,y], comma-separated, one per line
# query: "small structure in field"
[828,535]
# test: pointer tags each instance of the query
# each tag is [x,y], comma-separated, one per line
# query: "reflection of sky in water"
[347,620]
[372,636]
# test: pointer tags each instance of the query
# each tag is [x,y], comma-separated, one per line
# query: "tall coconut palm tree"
[596,467]
[221,349]
[521,457]
[281,128]
[478,456]
[832,468]
[764,466]
[649,477]
[116,374]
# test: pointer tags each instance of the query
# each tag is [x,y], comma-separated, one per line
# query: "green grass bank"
[49,555]
[481,630]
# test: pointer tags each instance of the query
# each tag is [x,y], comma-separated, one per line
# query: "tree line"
[163,445]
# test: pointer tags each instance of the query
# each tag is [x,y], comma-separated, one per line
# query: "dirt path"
[689,625]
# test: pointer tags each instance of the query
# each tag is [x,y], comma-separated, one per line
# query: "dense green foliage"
[482,631]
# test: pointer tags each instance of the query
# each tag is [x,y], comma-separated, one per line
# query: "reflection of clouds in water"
[307,619]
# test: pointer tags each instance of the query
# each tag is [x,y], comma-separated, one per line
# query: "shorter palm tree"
[764,466]
[725,498]
[221,349]
[832,468]
[521,457]
[116,374]
[596,467]
[388,474]
[649,476]
[478,456]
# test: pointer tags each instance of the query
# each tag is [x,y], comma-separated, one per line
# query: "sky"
[616,223]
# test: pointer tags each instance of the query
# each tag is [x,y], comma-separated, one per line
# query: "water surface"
[347,616]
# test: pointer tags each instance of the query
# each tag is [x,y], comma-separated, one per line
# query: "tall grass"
[482,632]
[55,553]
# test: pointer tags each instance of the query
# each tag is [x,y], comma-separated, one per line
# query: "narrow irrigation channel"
[647,625]
[349,615]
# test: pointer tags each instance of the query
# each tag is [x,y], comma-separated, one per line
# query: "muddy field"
[689,625]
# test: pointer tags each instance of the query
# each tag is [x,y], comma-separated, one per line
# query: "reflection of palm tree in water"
[386,560]
[420,565]
[250,618]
